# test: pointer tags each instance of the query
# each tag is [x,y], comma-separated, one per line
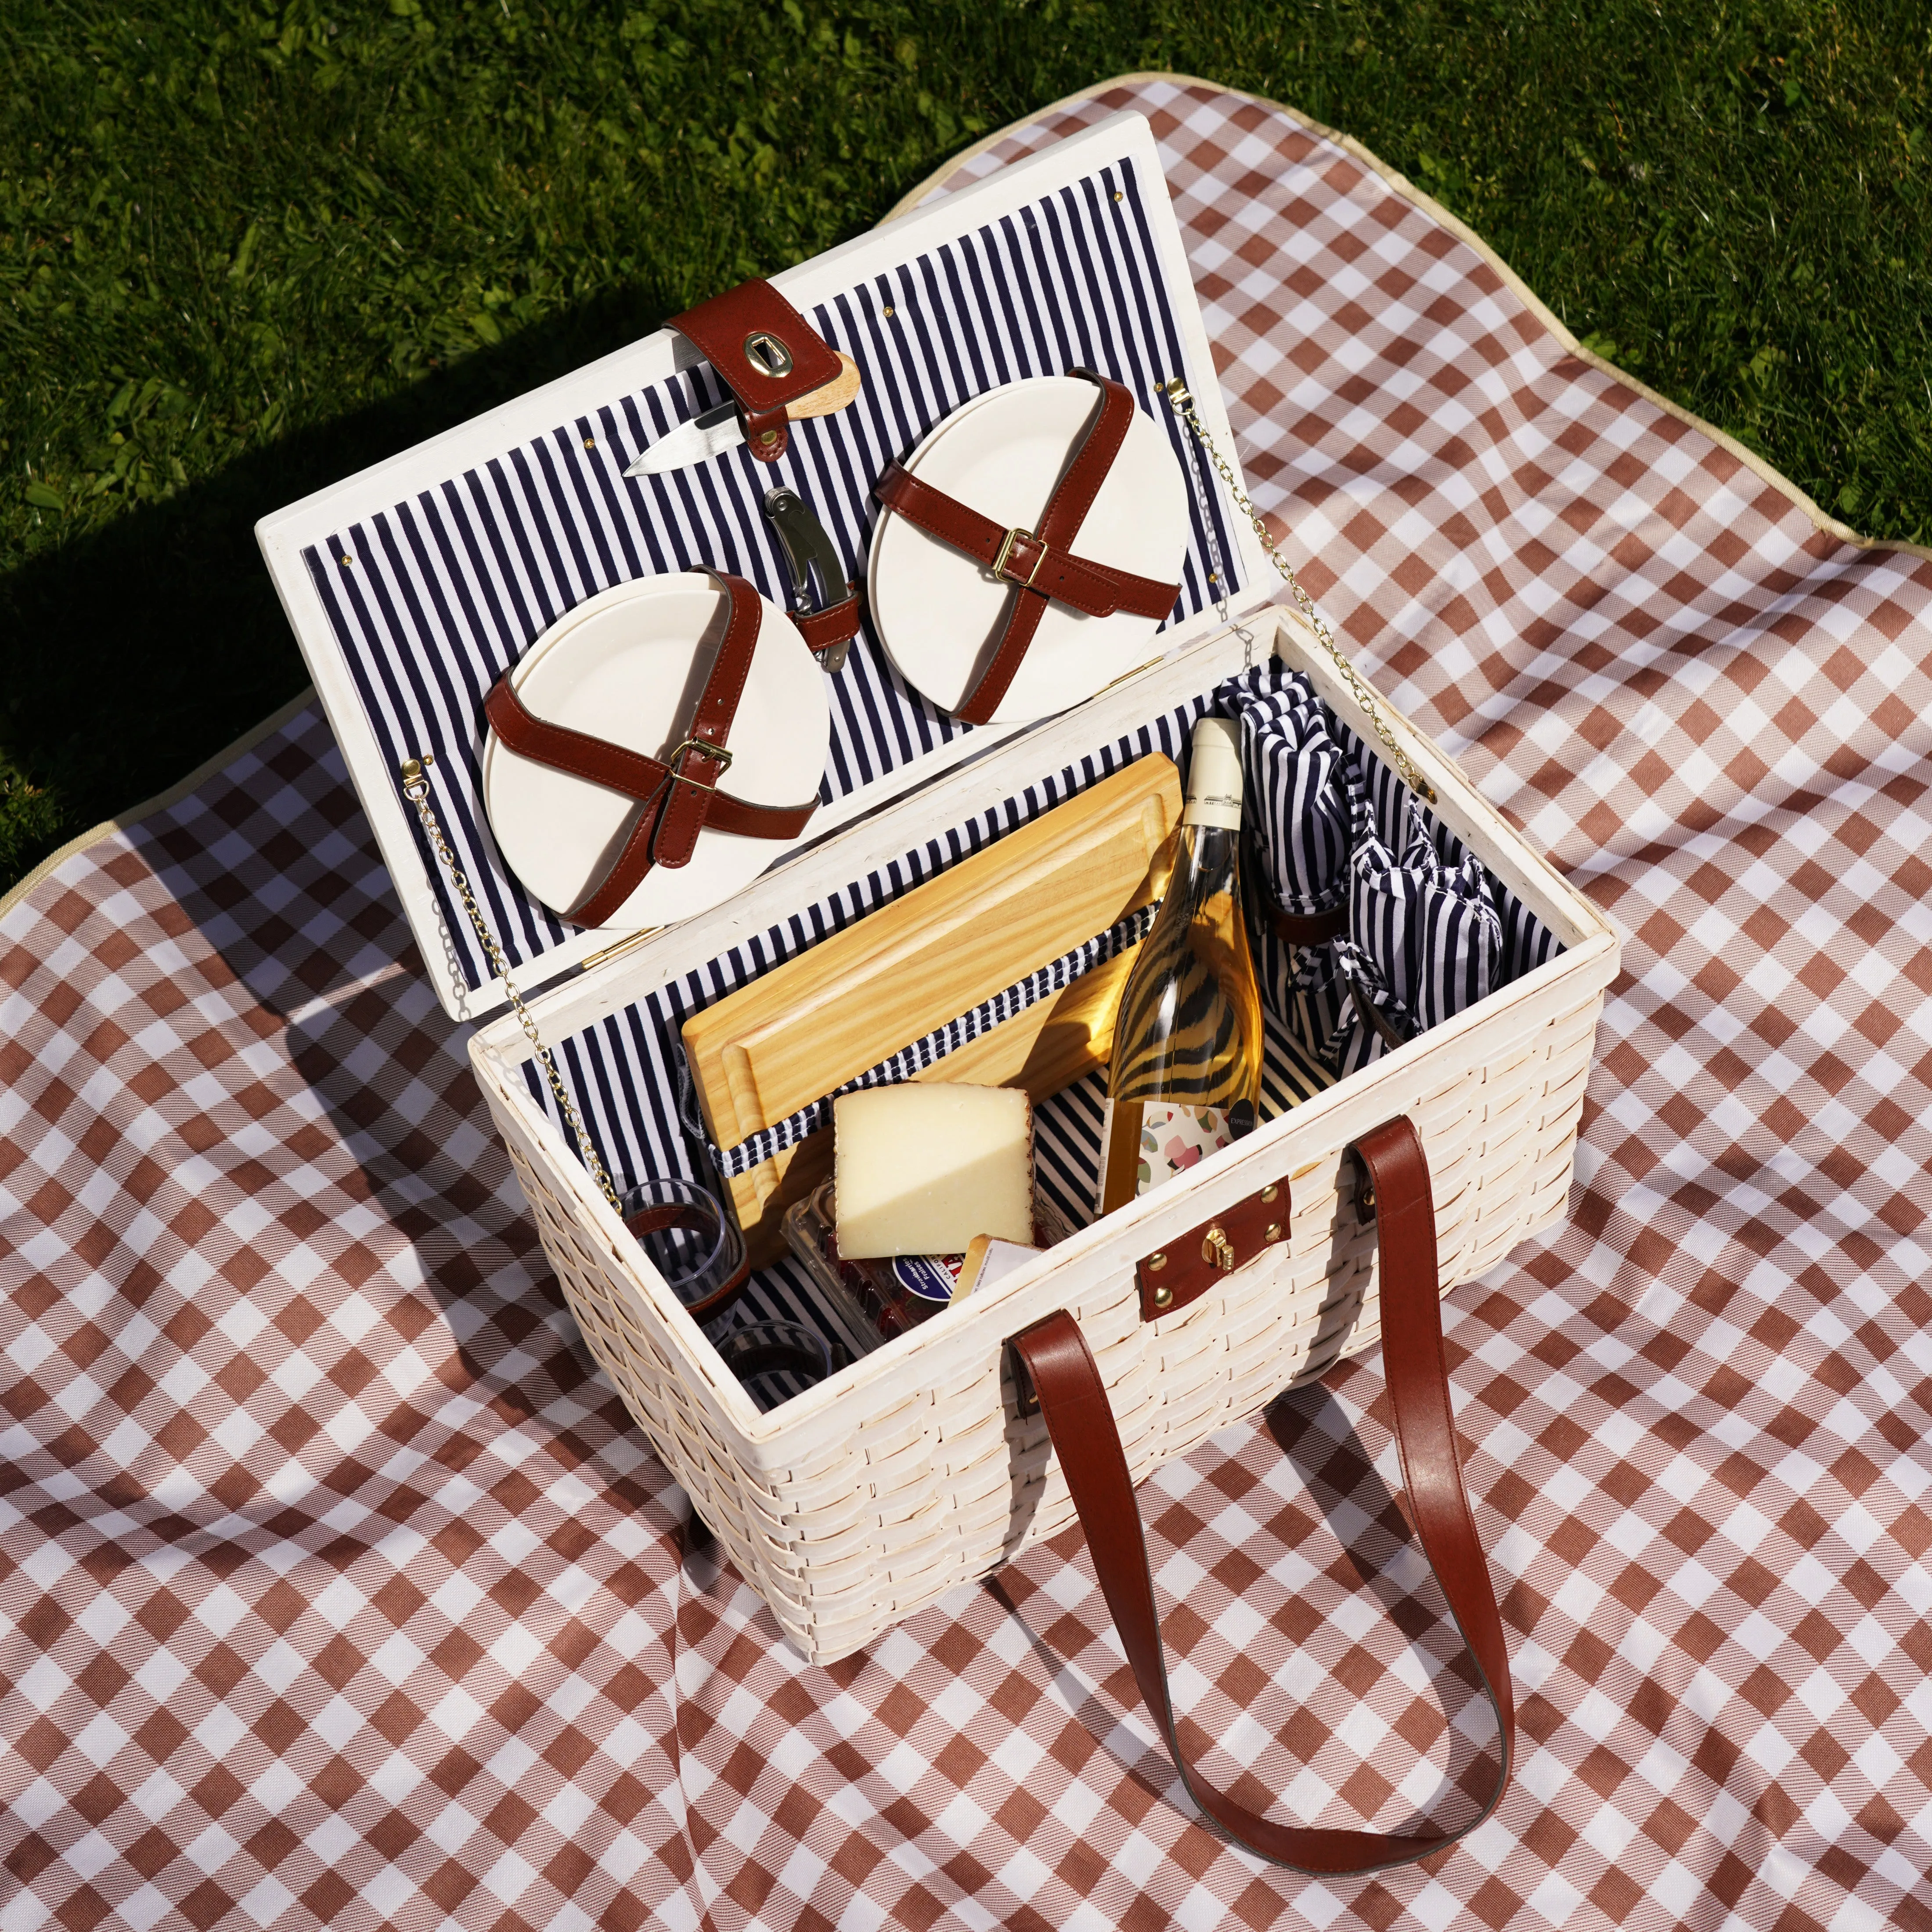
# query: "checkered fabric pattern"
[335,1588]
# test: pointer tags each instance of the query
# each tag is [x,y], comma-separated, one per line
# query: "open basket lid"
[415,585]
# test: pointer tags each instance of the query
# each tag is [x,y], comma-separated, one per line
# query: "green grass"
[246,249]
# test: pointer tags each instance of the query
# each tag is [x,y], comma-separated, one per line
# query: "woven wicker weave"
[864,1499]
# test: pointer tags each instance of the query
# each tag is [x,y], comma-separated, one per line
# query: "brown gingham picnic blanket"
[335,1588]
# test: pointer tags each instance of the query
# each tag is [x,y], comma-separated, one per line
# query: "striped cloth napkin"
[1423,938]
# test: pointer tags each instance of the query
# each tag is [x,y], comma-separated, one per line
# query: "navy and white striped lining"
[756,1149]
[432,600]
[1429,934]
[1298,773]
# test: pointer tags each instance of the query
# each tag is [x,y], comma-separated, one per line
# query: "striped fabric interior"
[624,1073]
[432,600]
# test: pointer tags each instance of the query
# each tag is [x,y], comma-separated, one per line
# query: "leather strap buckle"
[715,752]
[1014,536]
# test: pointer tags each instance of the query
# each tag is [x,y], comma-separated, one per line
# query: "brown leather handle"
[1053,1356]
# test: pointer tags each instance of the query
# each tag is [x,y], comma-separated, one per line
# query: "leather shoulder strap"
[1066,1382]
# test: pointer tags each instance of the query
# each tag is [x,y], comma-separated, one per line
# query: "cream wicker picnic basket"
[912,1469]
[868,1497]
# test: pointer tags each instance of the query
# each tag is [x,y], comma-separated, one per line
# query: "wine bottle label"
[1172,1138]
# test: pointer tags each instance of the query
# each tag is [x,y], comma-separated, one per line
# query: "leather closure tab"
[765,352]
[1180,1273]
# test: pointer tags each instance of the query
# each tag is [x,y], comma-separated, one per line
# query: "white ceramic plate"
[628,666]
[940,612]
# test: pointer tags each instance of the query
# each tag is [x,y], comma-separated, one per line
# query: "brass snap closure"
[767,437]
[766,353]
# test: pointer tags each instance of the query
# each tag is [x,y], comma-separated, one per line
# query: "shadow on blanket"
[132,653]
[1365,1611]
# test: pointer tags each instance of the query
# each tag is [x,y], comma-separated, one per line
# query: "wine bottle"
[1185,1075]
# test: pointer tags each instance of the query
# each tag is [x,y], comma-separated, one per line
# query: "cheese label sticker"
[922,1276]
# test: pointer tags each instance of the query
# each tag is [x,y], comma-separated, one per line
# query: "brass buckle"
[716,753]
[1006,542]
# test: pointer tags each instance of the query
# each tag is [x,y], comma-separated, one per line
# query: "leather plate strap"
[1072,1399]
[836,624]
[680,799]
[1040,563]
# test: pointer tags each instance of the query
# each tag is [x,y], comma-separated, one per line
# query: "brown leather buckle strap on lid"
[765,352]
[680,796]
[1038,564]
[1052,1357]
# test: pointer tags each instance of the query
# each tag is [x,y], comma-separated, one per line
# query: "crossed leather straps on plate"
[1040,563]
[680,796]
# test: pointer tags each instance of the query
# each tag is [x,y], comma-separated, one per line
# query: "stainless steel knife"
[719,429]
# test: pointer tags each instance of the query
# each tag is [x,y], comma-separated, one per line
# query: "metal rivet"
[590,443]
[349,560]
[1269,1192]
[769,437]
[1156,1262]
[1272,1232]
[1214,576]
[1118,196]
[1163,1298]
[889,309]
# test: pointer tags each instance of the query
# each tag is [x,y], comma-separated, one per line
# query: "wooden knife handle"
[833,397]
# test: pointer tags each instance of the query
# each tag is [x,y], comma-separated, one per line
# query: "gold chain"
[416,789]
[1182,404]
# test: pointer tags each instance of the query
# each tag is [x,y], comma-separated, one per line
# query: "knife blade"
[719,429]
[698,441]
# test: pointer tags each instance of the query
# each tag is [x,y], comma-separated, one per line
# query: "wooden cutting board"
[812,1024]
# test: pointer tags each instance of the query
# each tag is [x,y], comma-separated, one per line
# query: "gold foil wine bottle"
[1186,1074]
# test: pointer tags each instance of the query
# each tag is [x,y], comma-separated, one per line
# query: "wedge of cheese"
[923,1168]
